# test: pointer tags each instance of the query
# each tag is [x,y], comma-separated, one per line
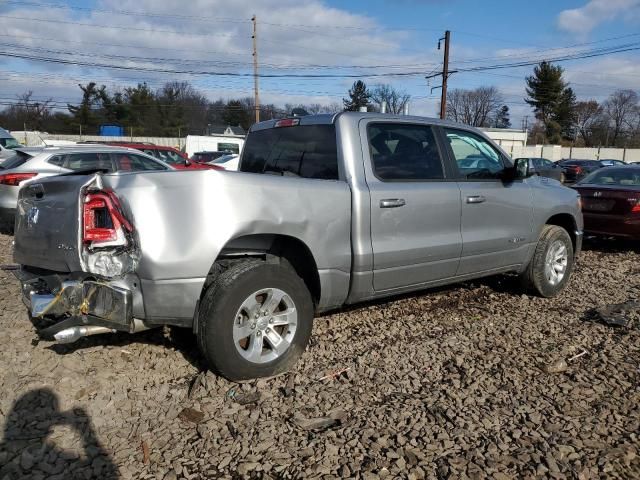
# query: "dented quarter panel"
[183,220]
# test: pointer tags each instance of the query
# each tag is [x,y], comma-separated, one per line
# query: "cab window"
[404,152]
[475,156]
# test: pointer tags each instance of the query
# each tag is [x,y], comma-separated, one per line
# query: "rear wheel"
[255,320]
[552,263]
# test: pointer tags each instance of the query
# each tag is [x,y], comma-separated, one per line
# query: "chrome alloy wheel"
[265,325]
[556,262]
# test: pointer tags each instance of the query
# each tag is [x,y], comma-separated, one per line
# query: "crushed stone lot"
[471,381]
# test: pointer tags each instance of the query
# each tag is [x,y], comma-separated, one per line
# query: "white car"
[228,162]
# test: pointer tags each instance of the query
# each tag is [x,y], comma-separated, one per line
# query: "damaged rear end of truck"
[77,251]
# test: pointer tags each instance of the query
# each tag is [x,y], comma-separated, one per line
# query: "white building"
[507,137]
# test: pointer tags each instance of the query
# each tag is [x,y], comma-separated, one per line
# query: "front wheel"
[552,263]
[255,320]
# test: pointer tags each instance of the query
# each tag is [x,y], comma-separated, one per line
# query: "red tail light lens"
[14,179]
[103,221]
[636,207]
[287,122]
[578,170]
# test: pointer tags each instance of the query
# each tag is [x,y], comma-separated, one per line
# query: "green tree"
[358,97]
[236,112]
[85,114]
[142,107]
[502,119]
[552,101]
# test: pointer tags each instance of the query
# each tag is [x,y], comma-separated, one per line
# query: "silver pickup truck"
[325,211]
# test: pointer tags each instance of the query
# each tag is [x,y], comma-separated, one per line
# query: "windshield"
[15,161]
[626,177]
[10,143]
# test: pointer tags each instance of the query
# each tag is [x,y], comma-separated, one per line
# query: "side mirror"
[521,169]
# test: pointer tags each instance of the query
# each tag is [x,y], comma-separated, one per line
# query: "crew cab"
[326,211]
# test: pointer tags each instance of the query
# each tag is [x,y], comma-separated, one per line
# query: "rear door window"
[404,152]
[88,161]
[307,151]
[15,161]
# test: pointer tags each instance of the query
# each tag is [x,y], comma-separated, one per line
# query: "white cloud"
[582,20]
[209,35]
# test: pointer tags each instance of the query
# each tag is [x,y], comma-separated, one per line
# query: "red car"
[169,155]
[611,201]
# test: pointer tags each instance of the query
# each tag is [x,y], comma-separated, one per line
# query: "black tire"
[534,277]
[221,303]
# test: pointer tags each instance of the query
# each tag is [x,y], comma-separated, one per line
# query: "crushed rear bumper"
[67,303]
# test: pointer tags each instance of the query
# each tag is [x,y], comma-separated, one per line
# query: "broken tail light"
[103,223]
[14,179]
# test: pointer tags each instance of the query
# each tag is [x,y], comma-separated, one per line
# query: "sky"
[311,51]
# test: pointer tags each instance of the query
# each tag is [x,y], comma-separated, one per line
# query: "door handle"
[392,203]
[476,199]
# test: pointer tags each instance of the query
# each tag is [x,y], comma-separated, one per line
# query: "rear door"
[497,216]
[415,205]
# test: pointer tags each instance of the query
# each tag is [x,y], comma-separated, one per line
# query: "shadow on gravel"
[29,446]
[6,228]
[610,245]
[181,339]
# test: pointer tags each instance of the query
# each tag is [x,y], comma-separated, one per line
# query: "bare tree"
[620,109]
[33,114]
[588,114]
[473,107]
[396,99]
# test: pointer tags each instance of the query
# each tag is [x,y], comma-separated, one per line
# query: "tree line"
[179,109]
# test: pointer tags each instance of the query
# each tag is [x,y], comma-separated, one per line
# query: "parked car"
[335,210]
[168,155]
[228,162]
[206,157]
[611,201]
[574,170]
[29,164]
[545,168]
[611,163]
[7,144]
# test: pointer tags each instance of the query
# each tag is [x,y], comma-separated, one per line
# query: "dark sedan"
[611,201]
[545,168]
[574,170]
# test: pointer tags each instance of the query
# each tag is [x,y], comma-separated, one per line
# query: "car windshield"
[15,161]
[624,176]
[10,143]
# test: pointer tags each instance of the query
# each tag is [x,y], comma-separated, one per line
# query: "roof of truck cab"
[329,118]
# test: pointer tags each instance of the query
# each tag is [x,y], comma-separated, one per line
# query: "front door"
[497,216]
[415,208]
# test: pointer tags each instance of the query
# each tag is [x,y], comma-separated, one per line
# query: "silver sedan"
[28,164]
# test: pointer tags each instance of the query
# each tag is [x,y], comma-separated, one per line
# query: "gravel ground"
[463,382]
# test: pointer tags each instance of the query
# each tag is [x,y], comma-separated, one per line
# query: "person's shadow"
[27,451]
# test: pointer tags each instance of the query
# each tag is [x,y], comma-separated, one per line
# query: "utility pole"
[525,127]
[255,68]
[445,75]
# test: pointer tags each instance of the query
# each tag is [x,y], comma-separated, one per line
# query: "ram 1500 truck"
[325,211]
